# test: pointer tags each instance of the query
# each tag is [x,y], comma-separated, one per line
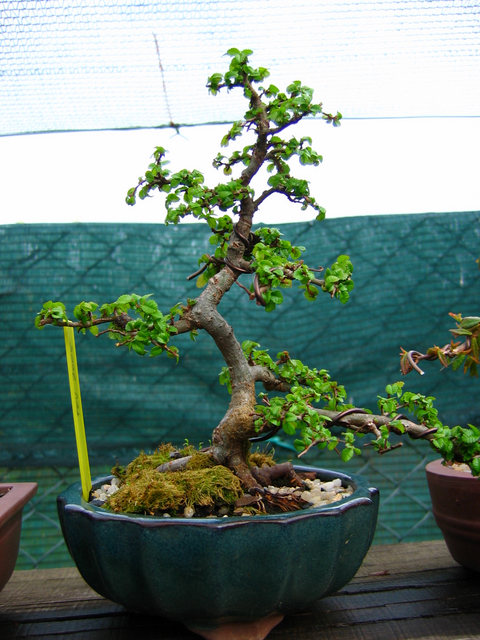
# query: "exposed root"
[267,475]
[270,503]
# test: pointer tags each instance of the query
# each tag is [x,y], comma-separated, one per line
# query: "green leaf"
[475,466]
[461,332]
[347,454]
[138,348]
[475,430]
[289,427]
[299,445]
[248,346]
[202,280]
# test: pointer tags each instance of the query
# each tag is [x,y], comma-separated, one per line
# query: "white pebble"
[115,481]
[188,512]
[111,490]
[320,493]
[333,484]
[319,502]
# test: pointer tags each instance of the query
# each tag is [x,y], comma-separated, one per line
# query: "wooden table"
[406,591]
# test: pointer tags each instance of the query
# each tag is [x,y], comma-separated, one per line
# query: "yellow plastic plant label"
[77,412]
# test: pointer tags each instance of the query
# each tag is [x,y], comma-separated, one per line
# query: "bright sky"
[370,167]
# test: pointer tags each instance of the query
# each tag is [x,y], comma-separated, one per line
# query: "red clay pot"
[13,497]
[456,508]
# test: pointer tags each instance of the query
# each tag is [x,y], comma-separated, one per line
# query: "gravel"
[315,493]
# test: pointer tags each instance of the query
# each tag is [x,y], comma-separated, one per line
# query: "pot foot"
[257,630]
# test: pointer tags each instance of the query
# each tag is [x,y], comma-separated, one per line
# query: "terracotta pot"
[13,497]
[218,572]
[456,508]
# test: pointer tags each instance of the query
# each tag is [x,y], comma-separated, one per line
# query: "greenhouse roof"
[93,64]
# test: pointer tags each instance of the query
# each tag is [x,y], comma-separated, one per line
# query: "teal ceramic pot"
[213,571]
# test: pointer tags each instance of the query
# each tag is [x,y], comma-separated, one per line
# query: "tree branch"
[118,319]
[356,419]
[268,192]
[294,120]
[360,421]
[268,379]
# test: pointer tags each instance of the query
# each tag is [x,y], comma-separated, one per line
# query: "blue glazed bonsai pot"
[214,571]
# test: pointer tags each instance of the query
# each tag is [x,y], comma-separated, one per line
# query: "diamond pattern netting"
[410,271]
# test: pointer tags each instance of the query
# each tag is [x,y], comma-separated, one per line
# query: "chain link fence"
[410,272]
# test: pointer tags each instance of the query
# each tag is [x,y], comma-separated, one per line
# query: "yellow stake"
[77,412]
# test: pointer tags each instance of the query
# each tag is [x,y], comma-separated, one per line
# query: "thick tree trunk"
[230,439]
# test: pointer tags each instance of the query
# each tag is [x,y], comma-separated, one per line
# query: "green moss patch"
[203,485]
[261,458]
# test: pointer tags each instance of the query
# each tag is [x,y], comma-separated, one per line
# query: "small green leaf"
[289,427]
[138,348]
[202,280]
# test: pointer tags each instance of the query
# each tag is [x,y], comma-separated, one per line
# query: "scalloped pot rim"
[362,494]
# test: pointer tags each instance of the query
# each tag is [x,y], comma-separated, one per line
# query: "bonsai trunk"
[230,439]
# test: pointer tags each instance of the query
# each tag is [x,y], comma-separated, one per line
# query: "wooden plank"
[134,625]
[389,592]
[398,596]
[393,607]
[430,579]
[34,587]
[130,627]
[455,627]
[423,595]
[410,557]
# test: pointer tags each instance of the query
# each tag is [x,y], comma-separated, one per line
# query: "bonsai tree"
[302,401]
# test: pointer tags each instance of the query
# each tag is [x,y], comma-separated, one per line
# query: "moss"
[206,487]
[261,458]
[202,484]
[200,461]
[144,461]
[188,450]
[147,492]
